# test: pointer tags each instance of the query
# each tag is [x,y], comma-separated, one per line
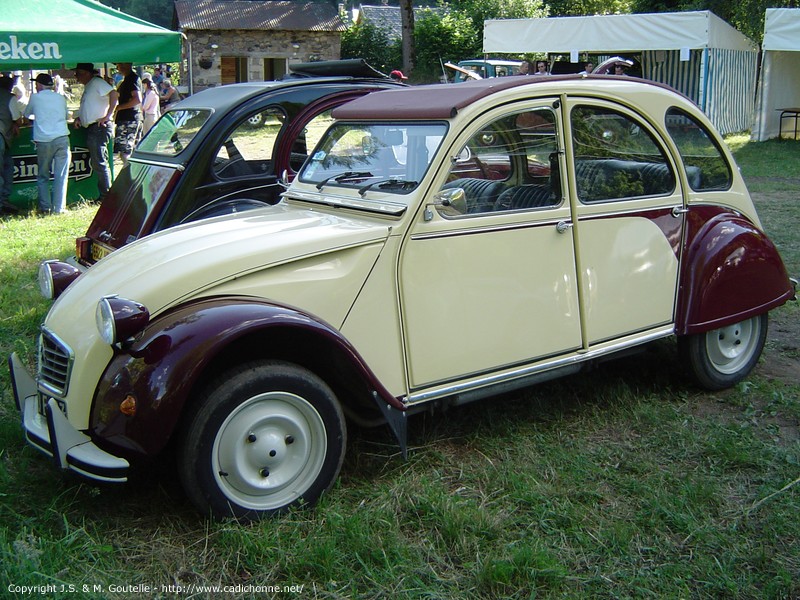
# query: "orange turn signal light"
[128,406]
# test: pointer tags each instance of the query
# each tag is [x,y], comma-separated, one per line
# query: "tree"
[407,45]
[158,12]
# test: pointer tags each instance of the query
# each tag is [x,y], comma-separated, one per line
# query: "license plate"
[43,400]
[99,251]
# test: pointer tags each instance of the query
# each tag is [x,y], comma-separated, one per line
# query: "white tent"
[695,52]
[779,87]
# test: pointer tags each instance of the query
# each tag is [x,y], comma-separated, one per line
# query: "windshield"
[382,157]
[173,132]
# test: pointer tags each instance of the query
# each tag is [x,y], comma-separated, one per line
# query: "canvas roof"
[273,15]
[614,33]
[782,29]
[46,34]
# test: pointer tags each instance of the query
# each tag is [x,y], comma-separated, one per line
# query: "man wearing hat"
[51,136]
[96,115]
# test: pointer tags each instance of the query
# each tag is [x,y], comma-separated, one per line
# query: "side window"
[507,166]
[616,158]
[248,150]
[706,166]
[308,138]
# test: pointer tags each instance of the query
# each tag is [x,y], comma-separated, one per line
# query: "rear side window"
[248,150]
[706,166]
[173,132]
[616,157]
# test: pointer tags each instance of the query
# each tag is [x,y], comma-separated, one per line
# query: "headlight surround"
[54,277]
[119,319]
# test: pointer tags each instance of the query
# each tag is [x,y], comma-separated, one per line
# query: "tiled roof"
[267,15]
[388,18]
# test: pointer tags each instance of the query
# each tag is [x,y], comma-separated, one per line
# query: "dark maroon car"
[223,150]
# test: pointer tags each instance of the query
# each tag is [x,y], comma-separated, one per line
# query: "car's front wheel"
[721,358]
[265,436]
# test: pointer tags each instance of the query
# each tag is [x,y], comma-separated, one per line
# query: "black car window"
[173,132]
[248,151]
[616,157]
[308,139]
[706,166]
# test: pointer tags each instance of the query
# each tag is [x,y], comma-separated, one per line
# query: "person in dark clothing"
[128,119]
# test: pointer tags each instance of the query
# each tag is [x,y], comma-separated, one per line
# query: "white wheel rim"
[731,348]
[269,451]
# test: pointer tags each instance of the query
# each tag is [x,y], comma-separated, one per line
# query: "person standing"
[51,136]
[541,68]
[129,116]
[9,128]
[98,102]
[150,103]
[524,68]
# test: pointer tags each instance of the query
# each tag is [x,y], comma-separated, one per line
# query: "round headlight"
[119,319]
[55,276]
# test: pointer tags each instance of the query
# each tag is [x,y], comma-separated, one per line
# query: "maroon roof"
[268,15]
[439,101]
[443,101]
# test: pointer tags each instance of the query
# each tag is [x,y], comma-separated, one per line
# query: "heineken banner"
[82,180]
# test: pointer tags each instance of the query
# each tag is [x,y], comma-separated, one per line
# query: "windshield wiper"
[388,183]
[344,176]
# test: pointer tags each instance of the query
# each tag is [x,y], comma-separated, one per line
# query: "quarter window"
[248,150]
[706,167]
[616,158]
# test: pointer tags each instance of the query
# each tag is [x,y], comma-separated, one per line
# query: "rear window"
[173,132]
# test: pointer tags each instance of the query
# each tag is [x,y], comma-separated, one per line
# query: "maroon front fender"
[730,272]
[161,368]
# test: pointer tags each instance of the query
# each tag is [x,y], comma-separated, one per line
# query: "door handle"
[563,226]
[677,211]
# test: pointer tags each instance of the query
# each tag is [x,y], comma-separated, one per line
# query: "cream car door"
[628,219]
[488,281]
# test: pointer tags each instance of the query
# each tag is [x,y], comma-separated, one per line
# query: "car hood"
[204,258]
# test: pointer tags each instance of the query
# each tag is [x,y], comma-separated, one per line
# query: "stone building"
[230,41]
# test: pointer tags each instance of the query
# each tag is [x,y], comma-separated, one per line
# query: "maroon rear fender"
[181,348]
[730,272]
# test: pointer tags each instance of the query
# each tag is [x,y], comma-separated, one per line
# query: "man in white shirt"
[51,135]
[96,115]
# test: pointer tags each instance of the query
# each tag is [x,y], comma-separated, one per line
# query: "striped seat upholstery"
[526,196]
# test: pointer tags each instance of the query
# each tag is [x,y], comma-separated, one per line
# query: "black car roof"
[225,96]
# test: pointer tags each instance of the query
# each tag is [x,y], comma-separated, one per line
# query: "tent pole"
[190,69]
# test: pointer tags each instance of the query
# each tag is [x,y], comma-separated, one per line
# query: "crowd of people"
[119,108]
[541,67]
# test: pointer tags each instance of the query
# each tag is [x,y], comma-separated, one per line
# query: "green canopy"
[49,34]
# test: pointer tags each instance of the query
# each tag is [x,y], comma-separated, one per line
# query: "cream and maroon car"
[440,244]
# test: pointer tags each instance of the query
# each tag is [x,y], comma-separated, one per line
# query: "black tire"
[721,358]
[265,436]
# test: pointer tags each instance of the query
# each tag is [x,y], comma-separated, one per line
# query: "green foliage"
[563,8]
[437,38]
[365,40]
[158,12]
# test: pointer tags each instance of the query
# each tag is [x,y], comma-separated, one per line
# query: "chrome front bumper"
[52,434]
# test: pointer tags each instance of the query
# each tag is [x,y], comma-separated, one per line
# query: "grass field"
[624,482]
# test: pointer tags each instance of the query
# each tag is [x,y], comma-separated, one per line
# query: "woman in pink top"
[150,103]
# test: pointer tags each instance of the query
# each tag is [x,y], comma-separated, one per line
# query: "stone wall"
[207,47]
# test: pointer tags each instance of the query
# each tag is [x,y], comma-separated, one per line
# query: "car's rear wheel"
[721,358]
[266,436]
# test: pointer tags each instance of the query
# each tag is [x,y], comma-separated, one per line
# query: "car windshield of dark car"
[384,158]
[173,132]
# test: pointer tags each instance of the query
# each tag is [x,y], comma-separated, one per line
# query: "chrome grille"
[55,363]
